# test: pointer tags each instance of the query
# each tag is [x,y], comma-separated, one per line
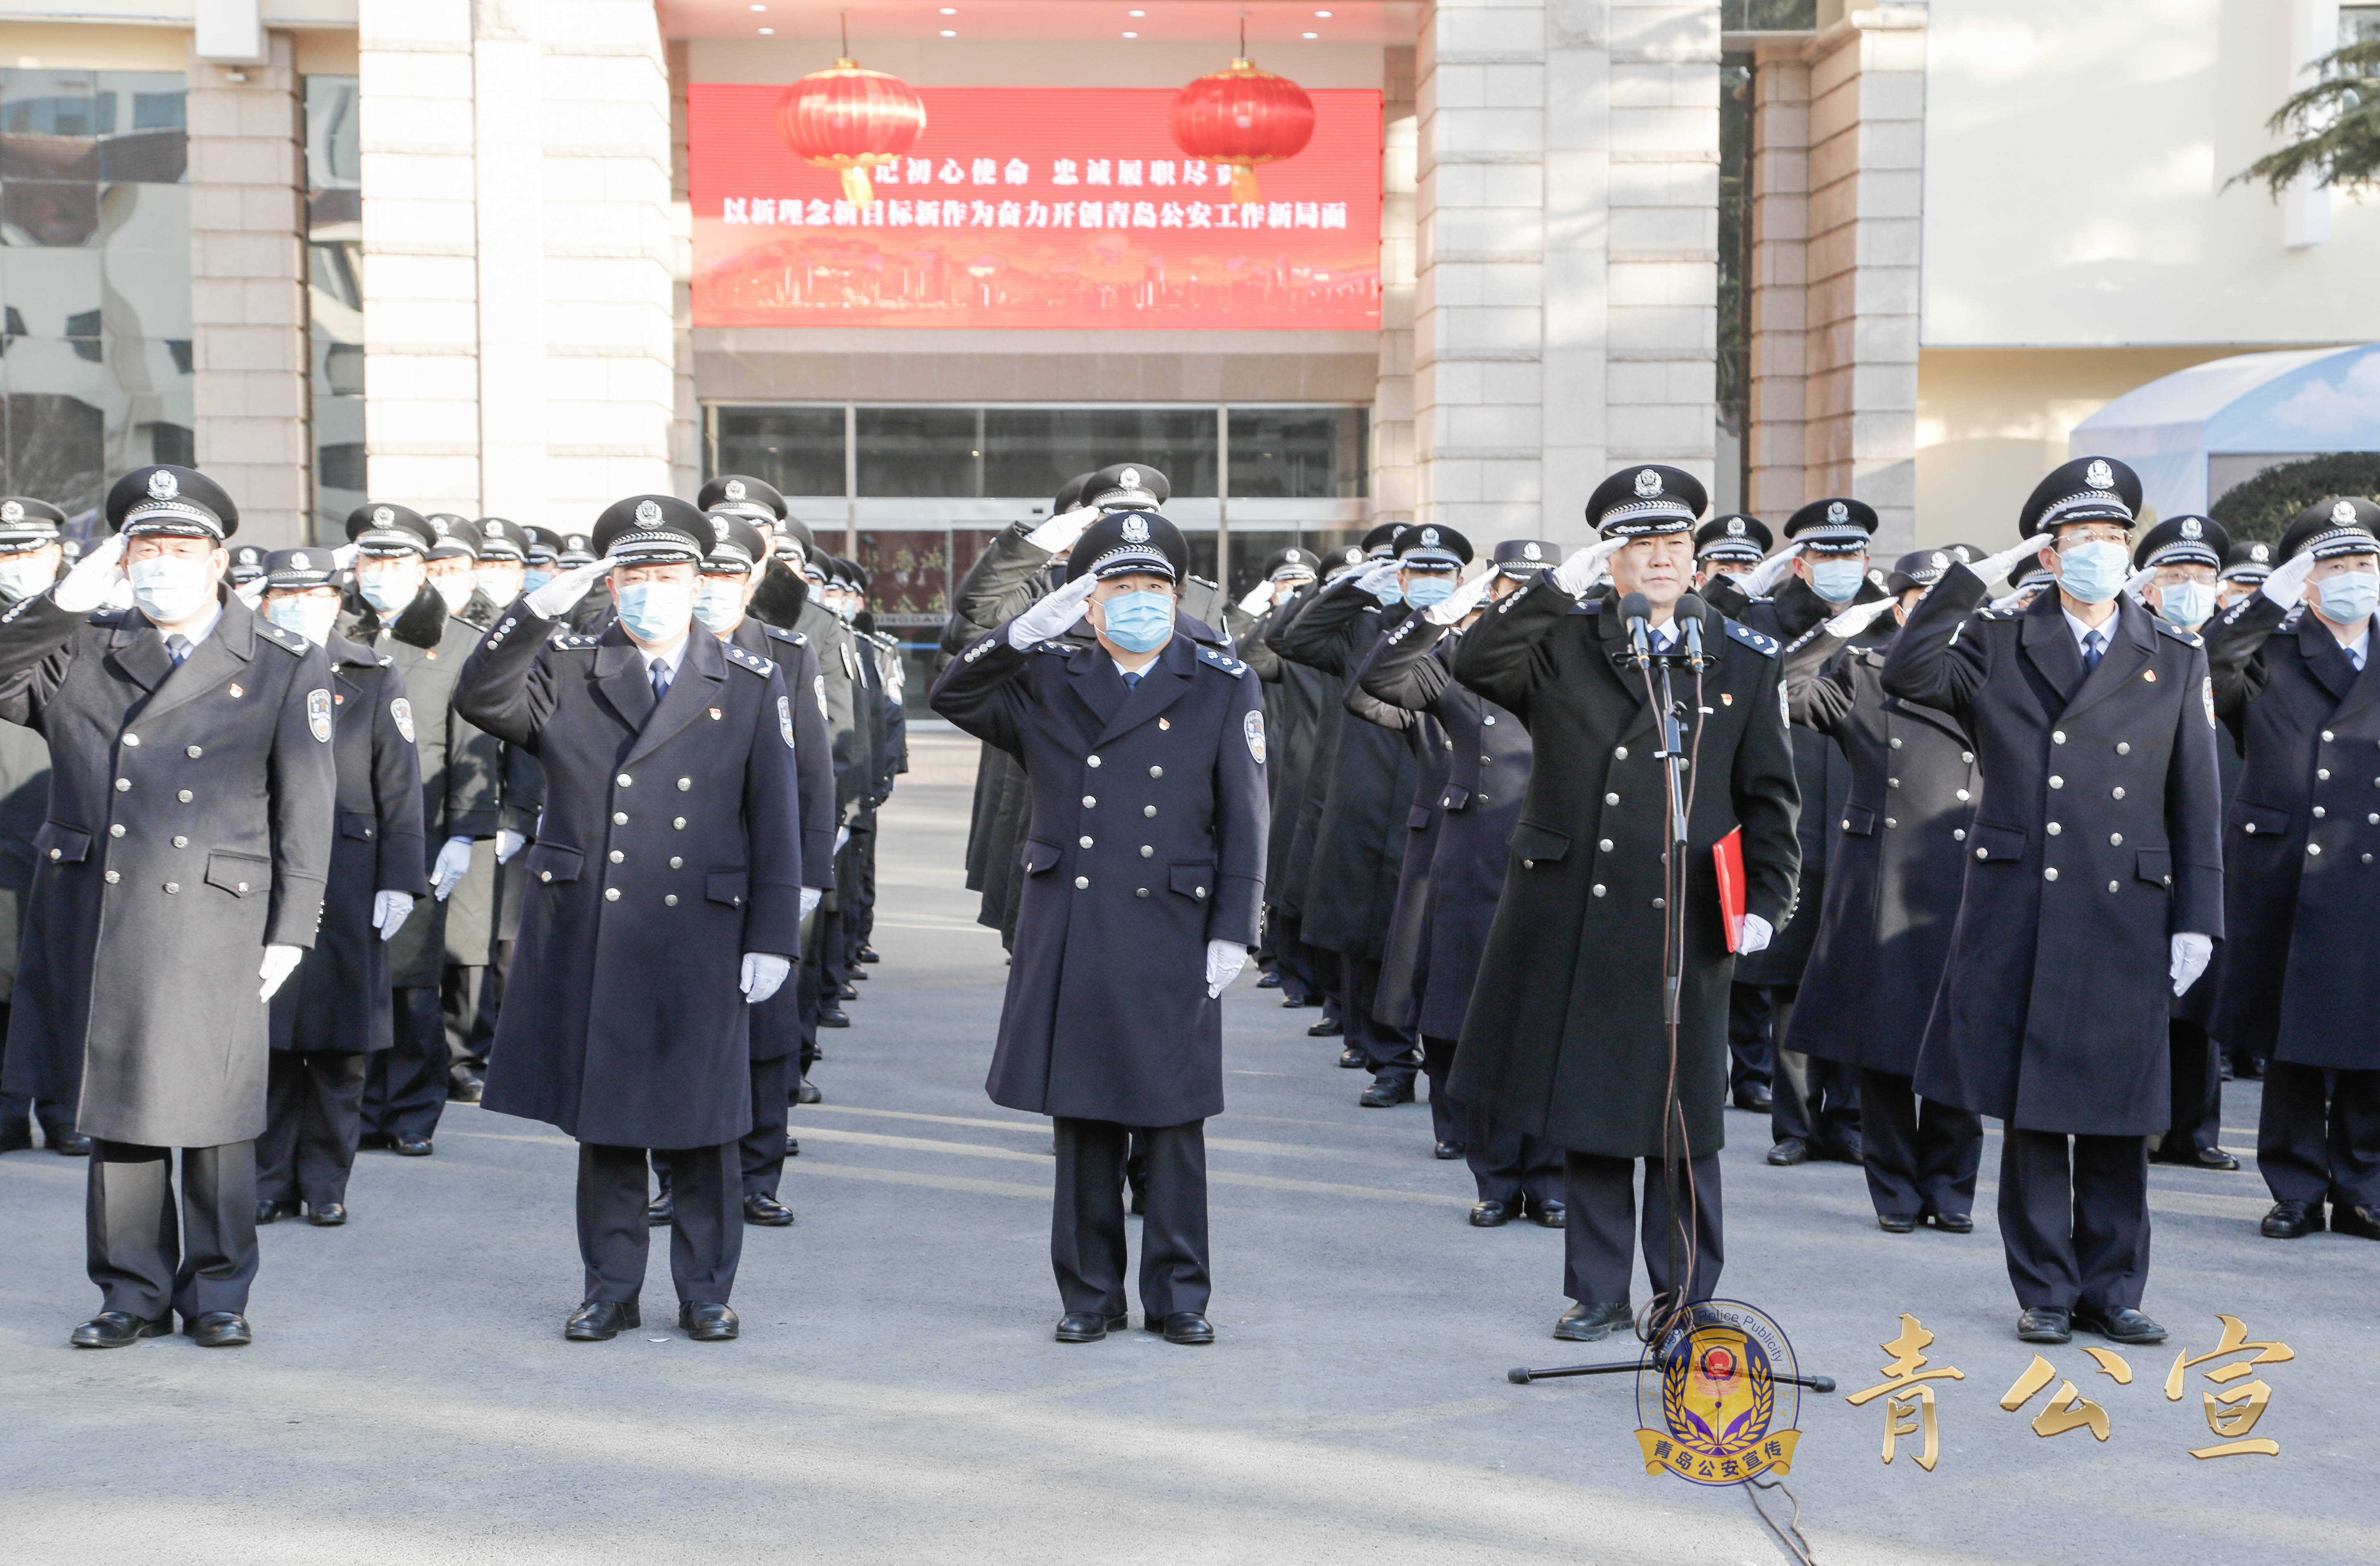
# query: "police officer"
[398,615]
[1566,1035]
[492,890]
[31,559]
[1726,550]
[455,561]
[1896,855]
[247,566]
[671,844]
[2300,980]
[336,1011]
[544,550]
[2245,566]
[1294,700]
[188,839]
[2094,890]
[1143,880]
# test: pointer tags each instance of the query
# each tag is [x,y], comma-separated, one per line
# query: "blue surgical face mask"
[1837,579]
[719,603]
[536,576]
[1435,587]
[656,611]
[169,588]
[2093,572]
[309,615]
[391,588]
[2350,597]
[2187,604]
[1138,620]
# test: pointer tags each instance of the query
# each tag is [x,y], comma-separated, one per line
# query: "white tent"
[2195,433]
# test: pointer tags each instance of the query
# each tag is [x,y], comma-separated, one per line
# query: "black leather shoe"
[464,1090]
[1791,1150]
[1753,1098]
[1845,1151]
[599,1321]
[833,1016]
[793,1145]
[1449,1150]
[1351,1059]
[120,1329]
[2044,1324]
[273,1212]
[326,1215]
[219,1329]
[1272,979]
[767,1211]
[1491,1215]
[16,1140]
[859,975]
[1090,1325]
[1895,1223]
[1592,1323]
[2248,1068]
[1953,1223]
[1386,1093]
[806,1092]
[708,1323]
[1328,1027]
[868,955]
[662,1209]
[411,1146]
[846,991]
[2292,1220]
[1188,1327]
[1292,1005]
[2214,1158]
[373,1142]
[2122,1325]
[2362,1223]
[1547,1214]
[70,1144]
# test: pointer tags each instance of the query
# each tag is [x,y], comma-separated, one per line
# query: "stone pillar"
[686,410]
[508,258]
[254,416]
[1780,275]
[1392,404]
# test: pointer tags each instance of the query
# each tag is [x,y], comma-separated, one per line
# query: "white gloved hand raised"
[1376,579]
[1450,610]
[94,576]
[251,593]
[345,556]
[1054,615]
[1224,961]
[1858,618]
[2285,587]
[763,972]
[2138,582]
[279,963]
[1761,581]
[811,897]
[1754,935]
[454,864]
[508,843]
[1585,568]
[1058,534]
[1992,567]
[390,910]
[1258,598]
[2191,954]
[560,596]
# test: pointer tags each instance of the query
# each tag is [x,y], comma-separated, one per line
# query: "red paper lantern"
[1241,117]
[851,119]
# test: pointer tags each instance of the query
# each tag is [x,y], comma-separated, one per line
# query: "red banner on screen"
[1034,207]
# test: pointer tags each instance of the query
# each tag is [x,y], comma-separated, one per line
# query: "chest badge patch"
[401,710]
[716,714]
[2149,674]
[1727,699]
[2208,691]
[819,685]
[236,691]
[1253,726]
[318,715]
[1165,722]
[785,720]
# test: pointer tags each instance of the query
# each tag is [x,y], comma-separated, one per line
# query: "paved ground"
[897,1397]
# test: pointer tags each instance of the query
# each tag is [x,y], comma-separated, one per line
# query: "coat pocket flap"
[356,824]
[1858,821]
[2156,865]
[1192,880]
[1997,843]
[1454,798]
[2259,821]
[242,875]
[551,862]
[726,886]
[61,845]
[1039,856]
[1540,845]
[1419,817]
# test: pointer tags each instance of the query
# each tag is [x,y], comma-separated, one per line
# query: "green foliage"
[2263,506]
[2334,127]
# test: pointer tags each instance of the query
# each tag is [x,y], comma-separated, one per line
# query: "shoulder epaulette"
[289,642]
[783,635]
[1061,647]
[572,642]
[2187,638]
[1219,659]
[1759,642]
[385,660]
[1988,613]
[750,661]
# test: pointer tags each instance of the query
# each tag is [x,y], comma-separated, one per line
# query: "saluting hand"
[2287,585]
[94,576]
[1058,534]
[1450,610]
[1585,568]
[560,596]
[1054,615]
[1258,598]
[1857,618]
[1762,580]
[2007,560]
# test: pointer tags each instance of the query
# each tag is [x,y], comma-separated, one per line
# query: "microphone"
[1637,611]
[1690,612]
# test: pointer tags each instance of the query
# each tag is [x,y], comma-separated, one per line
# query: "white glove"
[1753,936]
[390,910]
[279,963]
[1376,579]
[1054,615]
[560,596]
[1858,618]
[1258,598]
[763,971]
[2285,587]
[1997,566]
[811,897]
[508,843]
[454,864]
[1584,569]
[1224,961]
[2191,954]
[2138,582]
[1058,534]
[251,593]
[1450,609]
[345,556]
[2016,600]
[94,576]
[1762,579]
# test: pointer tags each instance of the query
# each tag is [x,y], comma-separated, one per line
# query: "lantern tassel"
[860,193]
[1244,184]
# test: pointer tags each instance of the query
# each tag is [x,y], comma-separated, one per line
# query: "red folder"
[1727,857]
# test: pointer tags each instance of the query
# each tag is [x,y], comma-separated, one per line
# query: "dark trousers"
[1292,960]
[404,1085]
[2319,1137]
[313,1117]
[706,1237]
[1388,1052]
[859,915]
[2074,1219]
[17,1112]
[489,1003]
[143,1260]
[2197,1092]
[1507,1165]
[1816,1100]
[1447,1121]
[1599,1241]
[1087,1227]
[1921,1156]
[1331,982]
[762,1150]
[458,997]
[1748,1040]
[806,981]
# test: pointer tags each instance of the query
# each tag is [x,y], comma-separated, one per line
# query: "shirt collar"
[196,634]
[2082,634]
[2359,649]
[668,657]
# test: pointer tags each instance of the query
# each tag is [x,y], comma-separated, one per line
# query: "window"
[1032,451]
[797,449]
[2358,24]
[1767,16]
[335,244]
[1299,453]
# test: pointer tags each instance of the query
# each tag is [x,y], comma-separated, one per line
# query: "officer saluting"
[2094,890]
[184,856]
[671,844]
[1143,880]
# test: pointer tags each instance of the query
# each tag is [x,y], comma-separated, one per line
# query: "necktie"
[178,647]
[2093,645]
[1132,680]
[661,672]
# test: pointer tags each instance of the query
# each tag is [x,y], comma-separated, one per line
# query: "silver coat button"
[1661,903]
[1082,883]
[2322,772]
[2049,874]
[2115,839]
[1605,844]
[2326,737]
[1146,852]
[1140,892]
[1963,794]
[684,785]
[1958,834]
[116,831]
[2055,828]
[195,751]
[1148,809]
[2056,782]
[676,863]
[123,785]
[2057,736]
[1619,753]
[619,818]
[184,795]
[1085,842]
[670,901]
[1489,719]
[2123,747]
[545,875]
[623,780]
[679,823]
[173,886]
[1895,742]
[1967,758]
[1090,760]
[134,740]
[2111,886]
[1598,889]
[2319,813]
[1611,800]
[1895,783]
[1890,821]
[1088,802]
[1198,891]
[112,876]
[618,858]
[2313,847]
[2116,793]
[1157,772]
[611,894]
[181,843]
